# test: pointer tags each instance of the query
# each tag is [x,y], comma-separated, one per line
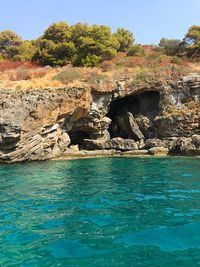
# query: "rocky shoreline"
[110,118]
[85,154]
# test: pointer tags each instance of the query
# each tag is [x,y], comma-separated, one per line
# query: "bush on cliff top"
[170,46]
[9,44]
[136,50]
[91,45]
[72,74]
[192,41]
[61,44]
[81,44]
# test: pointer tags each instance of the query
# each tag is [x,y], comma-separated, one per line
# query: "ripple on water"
[70,249]
[166,238]
[101,212]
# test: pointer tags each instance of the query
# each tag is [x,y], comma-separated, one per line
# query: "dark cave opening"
[132,117]
[77,137]
[142,108]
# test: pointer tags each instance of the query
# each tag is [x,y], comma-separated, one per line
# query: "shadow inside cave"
[144,107]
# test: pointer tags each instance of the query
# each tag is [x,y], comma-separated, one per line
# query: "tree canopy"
[170,46]
[80,44]
[193,35]
[192,41]
[25,51]
[125,39]
[88,45]
[189,46]
[9,44]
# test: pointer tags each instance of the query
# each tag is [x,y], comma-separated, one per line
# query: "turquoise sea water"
[101,212]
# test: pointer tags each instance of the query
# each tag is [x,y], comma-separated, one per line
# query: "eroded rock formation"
[43,124]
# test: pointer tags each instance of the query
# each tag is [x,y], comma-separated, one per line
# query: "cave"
[77,137]
[141,108]
[132,117]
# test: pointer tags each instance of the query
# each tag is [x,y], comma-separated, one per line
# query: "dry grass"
[29,79]
[153,66]
[195,67]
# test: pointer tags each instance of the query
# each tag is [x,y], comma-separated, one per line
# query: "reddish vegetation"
[153,64]
[148,48]
[10,65]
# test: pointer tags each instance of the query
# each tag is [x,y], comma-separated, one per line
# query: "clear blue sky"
[149,20]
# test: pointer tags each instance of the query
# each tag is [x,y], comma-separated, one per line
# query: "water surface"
[101,212]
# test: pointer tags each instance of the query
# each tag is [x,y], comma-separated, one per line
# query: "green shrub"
[176,60]
[92,61]
[140,78]
[156,54]
[170,46]
[69,75]
[136,50]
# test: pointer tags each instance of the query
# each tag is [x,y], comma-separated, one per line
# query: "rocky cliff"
[123,115]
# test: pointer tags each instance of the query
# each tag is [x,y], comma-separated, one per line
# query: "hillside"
[153,65]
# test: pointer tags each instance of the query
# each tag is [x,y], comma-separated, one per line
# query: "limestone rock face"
[92,144]
[122,144]
[196,140]
[180,109]
[143,122]
[134,128]
[188,146]
[117,143]
[95,125]
[166,142]
[9,135]
[32,123]
[41,124]
[153,143]
[159,151]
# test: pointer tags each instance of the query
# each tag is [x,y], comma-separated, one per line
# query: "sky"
[149,20]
